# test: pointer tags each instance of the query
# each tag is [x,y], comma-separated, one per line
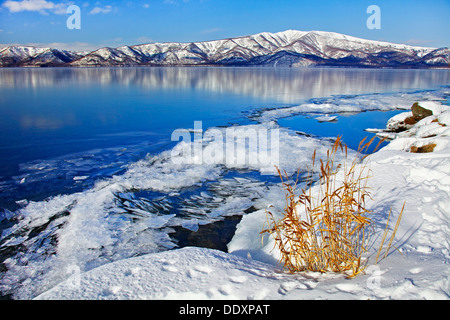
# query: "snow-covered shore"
[419,269]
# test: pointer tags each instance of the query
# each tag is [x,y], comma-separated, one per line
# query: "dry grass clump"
[330,229]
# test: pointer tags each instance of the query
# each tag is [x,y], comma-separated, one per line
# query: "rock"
[419,112]
[400,122]
[423,149]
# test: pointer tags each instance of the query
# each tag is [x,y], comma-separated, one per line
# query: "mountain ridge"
[290,48]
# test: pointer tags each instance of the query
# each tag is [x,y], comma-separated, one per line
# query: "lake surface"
[99,135]
[63,114]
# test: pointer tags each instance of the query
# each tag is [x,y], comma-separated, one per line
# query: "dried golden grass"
[385,233]
[328,230]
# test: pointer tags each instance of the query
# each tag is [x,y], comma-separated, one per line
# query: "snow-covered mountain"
[25,56]
[289,48]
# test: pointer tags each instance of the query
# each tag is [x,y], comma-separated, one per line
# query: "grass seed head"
[333,229]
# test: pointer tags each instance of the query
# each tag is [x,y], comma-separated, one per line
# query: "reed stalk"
[326,227]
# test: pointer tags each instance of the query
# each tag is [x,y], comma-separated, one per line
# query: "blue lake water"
[349,127]
[115,116]
[98,136]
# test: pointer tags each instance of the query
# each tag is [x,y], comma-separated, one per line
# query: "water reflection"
[287,85]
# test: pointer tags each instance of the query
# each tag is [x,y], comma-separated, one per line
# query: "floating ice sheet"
[352,104]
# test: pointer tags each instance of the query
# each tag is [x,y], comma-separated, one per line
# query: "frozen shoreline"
[250,270]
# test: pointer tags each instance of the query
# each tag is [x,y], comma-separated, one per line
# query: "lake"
[60,114]
[87,151]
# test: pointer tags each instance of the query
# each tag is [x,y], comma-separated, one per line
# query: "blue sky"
[122,22]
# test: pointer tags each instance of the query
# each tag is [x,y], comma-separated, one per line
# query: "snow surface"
[352,104]
[417,270]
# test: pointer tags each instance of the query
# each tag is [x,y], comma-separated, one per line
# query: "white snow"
[354,104]
[23,51]
[326,118]
[393,123]
[307,108]
[418,270]
[434,129]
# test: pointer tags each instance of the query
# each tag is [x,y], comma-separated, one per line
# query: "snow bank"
[416,271]
[397,175]
[434,129]
[188,273]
